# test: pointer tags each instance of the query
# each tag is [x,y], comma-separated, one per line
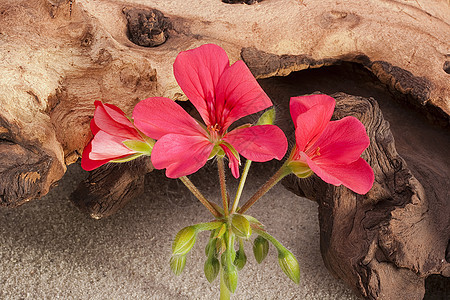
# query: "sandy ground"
[49,249]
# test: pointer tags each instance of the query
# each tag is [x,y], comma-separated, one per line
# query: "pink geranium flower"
[115,138]
[222,94]
[331,149]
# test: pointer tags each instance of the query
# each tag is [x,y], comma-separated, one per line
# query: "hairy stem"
[223,187]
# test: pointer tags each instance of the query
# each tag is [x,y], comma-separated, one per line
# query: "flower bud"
[177,263]
[289,265]
[260,248]
[241,258]
[230,275]
[184,241]
[210,247]
[211,268]
[241,226]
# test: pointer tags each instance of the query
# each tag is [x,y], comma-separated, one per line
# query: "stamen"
[317,151]
[214,131]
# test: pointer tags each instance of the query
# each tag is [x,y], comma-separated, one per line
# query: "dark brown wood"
[385,243]
[112,186]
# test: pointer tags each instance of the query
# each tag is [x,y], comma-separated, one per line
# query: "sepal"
[300,169]
[177,263]
[267,118]
[139,146]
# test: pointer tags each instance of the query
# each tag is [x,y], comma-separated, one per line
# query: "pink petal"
[310,125]
[94,127]
[111,119]
[159,116]
[107,146]
[233,163]
[238,94]
[180,155]
[89,164]
[258,143]
[357,176]
[341,142]
[197,72]
[299,105]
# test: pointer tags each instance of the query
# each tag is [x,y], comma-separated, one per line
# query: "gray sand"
[49,249]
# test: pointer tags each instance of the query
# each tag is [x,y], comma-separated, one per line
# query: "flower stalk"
[223,187]
[241,185]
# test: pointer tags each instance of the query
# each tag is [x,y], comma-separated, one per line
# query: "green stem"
[200,197]
[268,237]
[223,187]
[280,174]
[241,185]
[224,292]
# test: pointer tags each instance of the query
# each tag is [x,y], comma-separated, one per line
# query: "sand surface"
[49,249]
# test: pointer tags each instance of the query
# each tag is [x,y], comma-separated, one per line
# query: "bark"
[111,187]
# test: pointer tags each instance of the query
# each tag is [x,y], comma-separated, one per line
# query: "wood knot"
[447,67]
[147,27]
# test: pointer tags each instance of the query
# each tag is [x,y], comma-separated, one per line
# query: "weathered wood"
[59,56]
[385,243]
[111,187]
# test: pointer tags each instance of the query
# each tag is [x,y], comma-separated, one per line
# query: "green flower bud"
[230,274]
[241,258]
[210,246]
[184,241]
[177,264]
[289,265]
[241,226]
[211,268]
[260,248]
[267,117]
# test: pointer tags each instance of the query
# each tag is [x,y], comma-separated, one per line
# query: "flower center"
[214,132]
[315,153]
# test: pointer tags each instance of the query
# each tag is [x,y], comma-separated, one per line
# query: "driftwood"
[58,56]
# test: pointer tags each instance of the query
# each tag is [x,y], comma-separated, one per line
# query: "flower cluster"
[223,94]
